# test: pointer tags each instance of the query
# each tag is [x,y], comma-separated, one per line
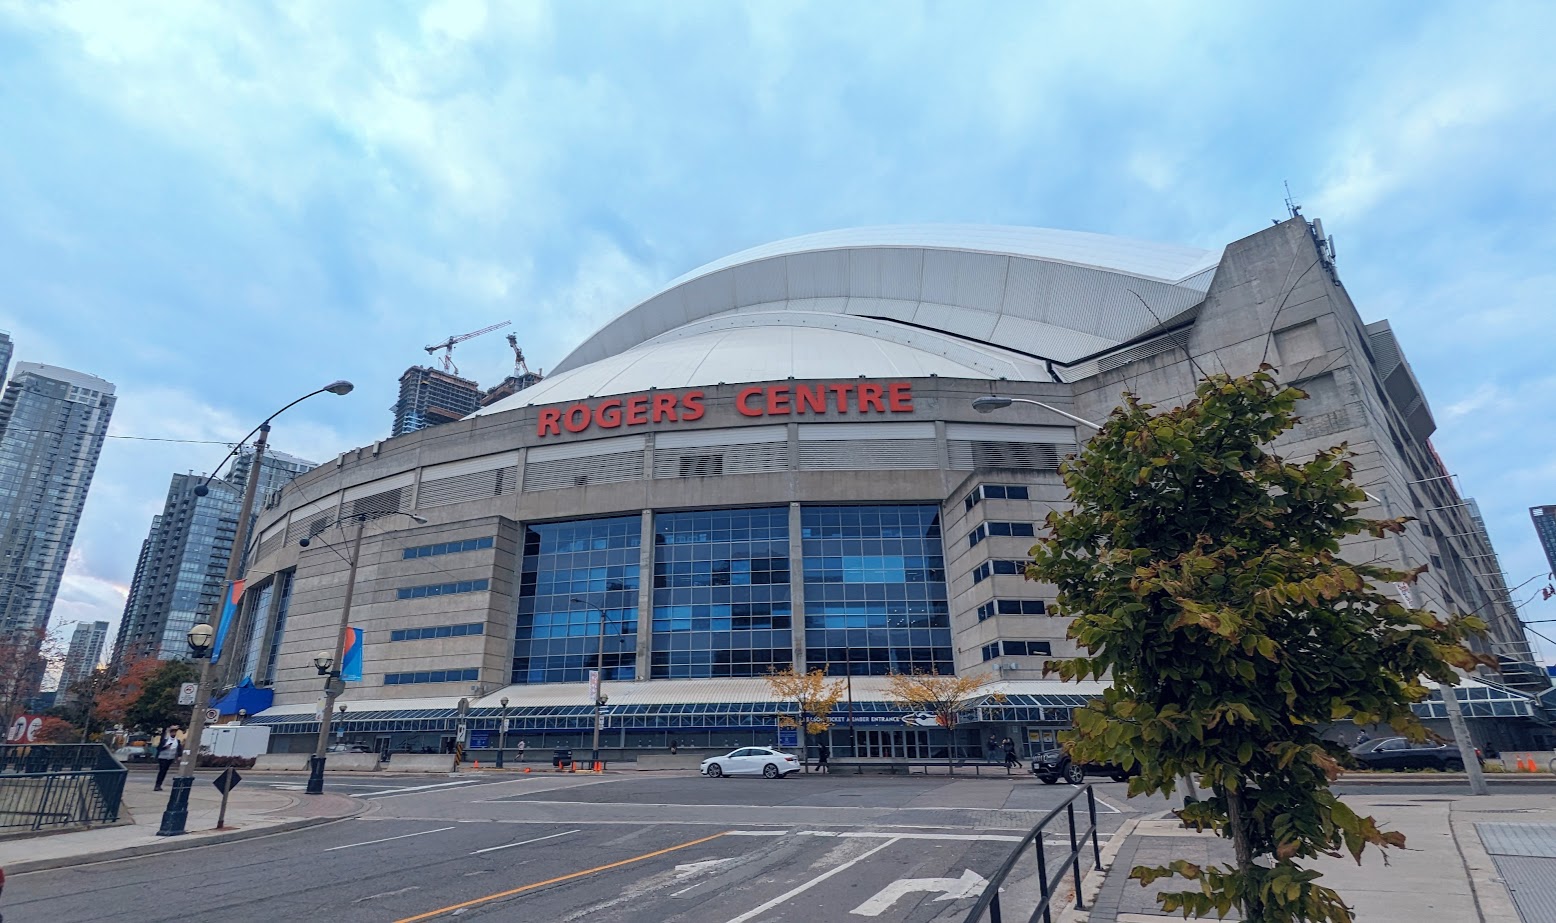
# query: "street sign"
[227,781]
[187,693]
[24,730]
[212,715]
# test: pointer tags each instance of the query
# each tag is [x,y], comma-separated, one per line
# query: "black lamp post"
[600,698]
[176,815]
[502,731]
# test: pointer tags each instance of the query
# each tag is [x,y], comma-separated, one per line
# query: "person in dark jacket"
[169,749]
[1010,754]
[823,753]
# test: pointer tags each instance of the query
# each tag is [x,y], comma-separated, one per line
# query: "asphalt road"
[614,849]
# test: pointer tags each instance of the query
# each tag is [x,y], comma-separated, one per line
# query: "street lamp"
[599,673]
[502,731]
[176,815]
[328,664]
[992,402]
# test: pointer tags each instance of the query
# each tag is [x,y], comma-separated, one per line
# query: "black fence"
[45,786]
[1050,876]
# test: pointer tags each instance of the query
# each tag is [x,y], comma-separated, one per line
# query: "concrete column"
[646,596]
[797,587]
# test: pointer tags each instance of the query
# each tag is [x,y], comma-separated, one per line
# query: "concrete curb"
[1440,778]
[176,844]
[1492,899]
[1091,885]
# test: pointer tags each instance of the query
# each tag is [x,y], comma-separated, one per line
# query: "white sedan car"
[751,761]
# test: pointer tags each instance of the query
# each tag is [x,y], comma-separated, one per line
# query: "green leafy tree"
[1205,576]
[156,706]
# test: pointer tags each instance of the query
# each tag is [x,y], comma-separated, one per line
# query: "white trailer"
[235,740]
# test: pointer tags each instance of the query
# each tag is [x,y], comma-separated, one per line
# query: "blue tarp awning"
[246,697]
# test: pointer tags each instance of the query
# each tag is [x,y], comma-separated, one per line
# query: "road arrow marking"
[968,885]
[697,868]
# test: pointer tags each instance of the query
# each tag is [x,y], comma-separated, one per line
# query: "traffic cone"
[526,769]
[1522,765]
[478,764]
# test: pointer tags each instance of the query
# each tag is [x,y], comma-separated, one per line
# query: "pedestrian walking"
[1010,754]
[991,752]
[521,751]
[823,752]
[674,745]
[169,749]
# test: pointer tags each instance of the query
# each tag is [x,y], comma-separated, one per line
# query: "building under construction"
[429,397]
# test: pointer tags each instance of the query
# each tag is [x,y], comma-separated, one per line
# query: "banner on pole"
[351,661]
[229,615]
[594,686]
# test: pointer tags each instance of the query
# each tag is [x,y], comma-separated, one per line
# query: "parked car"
[1052,765]
[134,754]
[349,748]
[1397,753]
[751,761]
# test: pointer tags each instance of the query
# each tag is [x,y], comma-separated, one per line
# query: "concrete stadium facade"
[775,460]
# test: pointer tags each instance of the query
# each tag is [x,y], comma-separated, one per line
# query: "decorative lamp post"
[502,731]
[991,402]
[329,664]
[176,814]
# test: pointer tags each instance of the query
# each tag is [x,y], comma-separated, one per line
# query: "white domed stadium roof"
[951,300]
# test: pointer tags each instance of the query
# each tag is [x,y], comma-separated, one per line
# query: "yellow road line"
[551,881]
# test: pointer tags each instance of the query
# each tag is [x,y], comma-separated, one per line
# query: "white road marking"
[422,788]
[386,894]
[706,865]
[878,835]
[757,833]
[801,889]
[954,889]
[525,843]
[388,838]
[828,807]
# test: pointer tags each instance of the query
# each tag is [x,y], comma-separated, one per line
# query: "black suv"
[1052,765]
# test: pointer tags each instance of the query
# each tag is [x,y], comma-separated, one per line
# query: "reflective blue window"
[595,561]
[721,593]
[875,593]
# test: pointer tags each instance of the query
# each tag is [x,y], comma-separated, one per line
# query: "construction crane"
[448,345]
[520,367]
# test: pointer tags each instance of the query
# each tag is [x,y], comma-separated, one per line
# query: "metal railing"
[1049,878]
[58,785]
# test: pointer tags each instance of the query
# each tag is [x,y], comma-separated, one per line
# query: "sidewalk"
[251,811]
[1446,872]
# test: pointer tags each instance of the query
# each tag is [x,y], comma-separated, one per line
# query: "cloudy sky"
[221,206]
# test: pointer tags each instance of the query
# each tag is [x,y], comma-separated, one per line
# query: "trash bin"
[561,758]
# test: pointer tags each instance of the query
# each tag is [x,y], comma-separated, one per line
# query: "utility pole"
[333,684]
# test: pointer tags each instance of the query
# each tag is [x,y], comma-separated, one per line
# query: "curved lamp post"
[992,402]
[329,665]
[599,671]
[176,815]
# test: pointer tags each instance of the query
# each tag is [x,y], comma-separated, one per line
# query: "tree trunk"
[1253,907]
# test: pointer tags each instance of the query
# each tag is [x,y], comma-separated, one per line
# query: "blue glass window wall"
[875,592]
[721,593]
[595,560]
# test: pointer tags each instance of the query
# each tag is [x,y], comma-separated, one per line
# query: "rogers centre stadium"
[775,460]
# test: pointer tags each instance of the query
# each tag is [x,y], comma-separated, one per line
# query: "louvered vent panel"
[579,472]
[972,455]
[480,485]
[270,545]
[705,461]
[868,454]
[382,503]
[307,527]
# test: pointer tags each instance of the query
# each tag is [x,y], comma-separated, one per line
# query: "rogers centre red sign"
[851,397]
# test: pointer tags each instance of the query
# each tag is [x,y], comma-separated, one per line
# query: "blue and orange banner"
[229,616]
[351,661]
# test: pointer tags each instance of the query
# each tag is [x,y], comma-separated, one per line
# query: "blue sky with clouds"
[221,206]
